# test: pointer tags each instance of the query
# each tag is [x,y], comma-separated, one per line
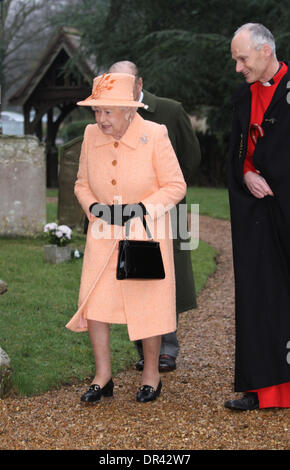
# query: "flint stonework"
[22,186]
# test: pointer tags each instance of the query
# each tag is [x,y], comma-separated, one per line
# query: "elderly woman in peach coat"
[125,161]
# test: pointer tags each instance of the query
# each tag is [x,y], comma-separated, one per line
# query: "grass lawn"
[41,298]
[212,201]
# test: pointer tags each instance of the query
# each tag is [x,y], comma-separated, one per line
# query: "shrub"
[75,129]
[212,171]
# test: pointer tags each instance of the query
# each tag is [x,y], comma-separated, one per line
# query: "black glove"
[121,213]
[103,211]
[118,214]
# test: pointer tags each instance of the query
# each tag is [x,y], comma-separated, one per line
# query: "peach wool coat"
[140,167]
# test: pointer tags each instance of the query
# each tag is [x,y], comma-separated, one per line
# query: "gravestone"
[5,367]
[6,374]
[69,210]
[22,186]
[3,287]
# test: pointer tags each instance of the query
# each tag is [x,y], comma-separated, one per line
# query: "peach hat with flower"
[112,89]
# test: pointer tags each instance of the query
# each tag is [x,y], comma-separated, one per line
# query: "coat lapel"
[101,138]
[243,96]
[280,92]
[132,136]
[150,100]
[244,109]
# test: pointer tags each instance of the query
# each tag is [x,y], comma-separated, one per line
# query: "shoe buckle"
[95,387]
[147,387]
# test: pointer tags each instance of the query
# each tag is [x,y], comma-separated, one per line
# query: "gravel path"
[189,414]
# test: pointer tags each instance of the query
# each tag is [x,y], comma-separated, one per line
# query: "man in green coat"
[186,146]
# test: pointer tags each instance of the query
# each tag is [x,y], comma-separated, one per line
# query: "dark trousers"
[169,344]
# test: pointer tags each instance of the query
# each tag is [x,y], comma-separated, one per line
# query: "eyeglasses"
[256,131]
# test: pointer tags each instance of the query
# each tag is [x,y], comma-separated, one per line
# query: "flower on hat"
[104,84]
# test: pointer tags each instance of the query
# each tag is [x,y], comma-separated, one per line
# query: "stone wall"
[22,186]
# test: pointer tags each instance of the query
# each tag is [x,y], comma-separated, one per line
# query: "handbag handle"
[145,227]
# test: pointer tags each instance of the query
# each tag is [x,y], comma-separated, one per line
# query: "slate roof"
[66,39]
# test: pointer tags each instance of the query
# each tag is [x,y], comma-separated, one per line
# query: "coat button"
[114,162]
[114,182]
[116,144]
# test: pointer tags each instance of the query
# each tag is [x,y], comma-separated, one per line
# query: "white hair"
[259,34]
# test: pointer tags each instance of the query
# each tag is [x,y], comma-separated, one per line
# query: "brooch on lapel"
[144,139]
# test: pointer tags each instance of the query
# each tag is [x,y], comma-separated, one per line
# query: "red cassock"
[277,395]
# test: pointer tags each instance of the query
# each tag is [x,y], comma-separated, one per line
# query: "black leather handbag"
[139,259]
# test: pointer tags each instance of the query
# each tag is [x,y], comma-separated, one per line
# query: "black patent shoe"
[167,363]
[249,402]
[95,392]
[147,393]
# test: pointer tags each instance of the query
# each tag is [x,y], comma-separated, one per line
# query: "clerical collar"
[272,81]
[141,97]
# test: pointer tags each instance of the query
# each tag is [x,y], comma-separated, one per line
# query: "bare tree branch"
[26,29]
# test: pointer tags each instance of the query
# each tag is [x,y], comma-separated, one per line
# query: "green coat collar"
[150,100]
